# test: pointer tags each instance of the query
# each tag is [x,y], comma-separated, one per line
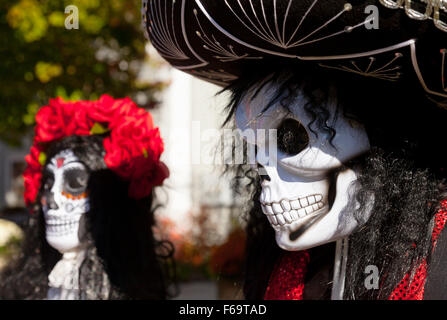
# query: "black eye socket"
[75,181]
[292,137]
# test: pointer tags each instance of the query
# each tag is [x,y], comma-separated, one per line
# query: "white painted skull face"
[295,164]
[64,200]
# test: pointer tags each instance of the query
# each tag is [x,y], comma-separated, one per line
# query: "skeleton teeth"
[61,230]
[288,217]
[286,212]
[294,214]
[264,210]
[304,203]
[281,219]
[295,204]
[61,227]
[286,205]
[277,208]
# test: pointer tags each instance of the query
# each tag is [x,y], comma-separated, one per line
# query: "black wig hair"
[404,170]
[123,259]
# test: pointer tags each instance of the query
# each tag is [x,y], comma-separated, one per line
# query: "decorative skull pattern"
[64,200]
[296,168]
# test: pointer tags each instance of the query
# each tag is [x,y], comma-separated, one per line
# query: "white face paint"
[65,200]
[295,195]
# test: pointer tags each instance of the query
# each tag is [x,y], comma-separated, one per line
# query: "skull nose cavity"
[288,211]
[50,202]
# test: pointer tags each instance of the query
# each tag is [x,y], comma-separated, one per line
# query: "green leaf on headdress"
[145,154]
[42,158]
[98,129]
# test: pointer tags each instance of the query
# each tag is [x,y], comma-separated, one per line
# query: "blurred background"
[41,58]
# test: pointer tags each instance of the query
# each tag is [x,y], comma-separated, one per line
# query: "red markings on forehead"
[60,162]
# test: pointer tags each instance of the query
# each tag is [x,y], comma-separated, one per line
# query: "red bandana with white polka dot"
[287,279]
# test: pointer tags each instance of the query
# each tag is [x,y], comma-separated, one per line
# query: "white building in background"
[190,119]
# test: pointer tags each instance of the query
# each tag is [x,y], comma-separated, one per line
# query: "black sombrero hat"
[389,40]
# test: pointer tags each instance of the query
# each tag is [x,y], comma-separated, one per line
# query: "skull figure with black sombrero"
[350,197]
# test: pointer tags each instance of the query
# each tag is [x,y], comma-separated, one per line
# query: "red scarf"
[287,279]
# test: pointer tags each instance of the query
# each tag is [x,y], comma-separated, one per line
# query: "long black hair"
[123,258]
[404,171]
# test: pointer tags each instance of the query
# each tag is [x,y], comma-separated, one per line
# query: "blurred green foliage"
[13,245]
[10,250]
[41,59]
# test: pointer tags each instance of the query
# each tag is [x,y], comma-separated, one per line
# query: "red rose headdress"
[133,146]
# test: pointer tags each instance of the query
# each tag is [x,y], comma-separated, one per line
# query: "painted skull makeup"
[296,168]
[64,200]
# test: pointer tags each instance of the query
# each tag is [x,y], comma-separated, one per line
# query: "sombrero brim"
[215,40]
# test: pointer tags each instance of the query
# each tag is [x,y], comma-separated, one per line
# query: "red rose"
[55,121]
[156,144]
[142,186]
[114,111]
[32,174]
[80,120]
[128,141]
[134,128]
[105,108]
[120,155]
[32,180]
[32,159]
